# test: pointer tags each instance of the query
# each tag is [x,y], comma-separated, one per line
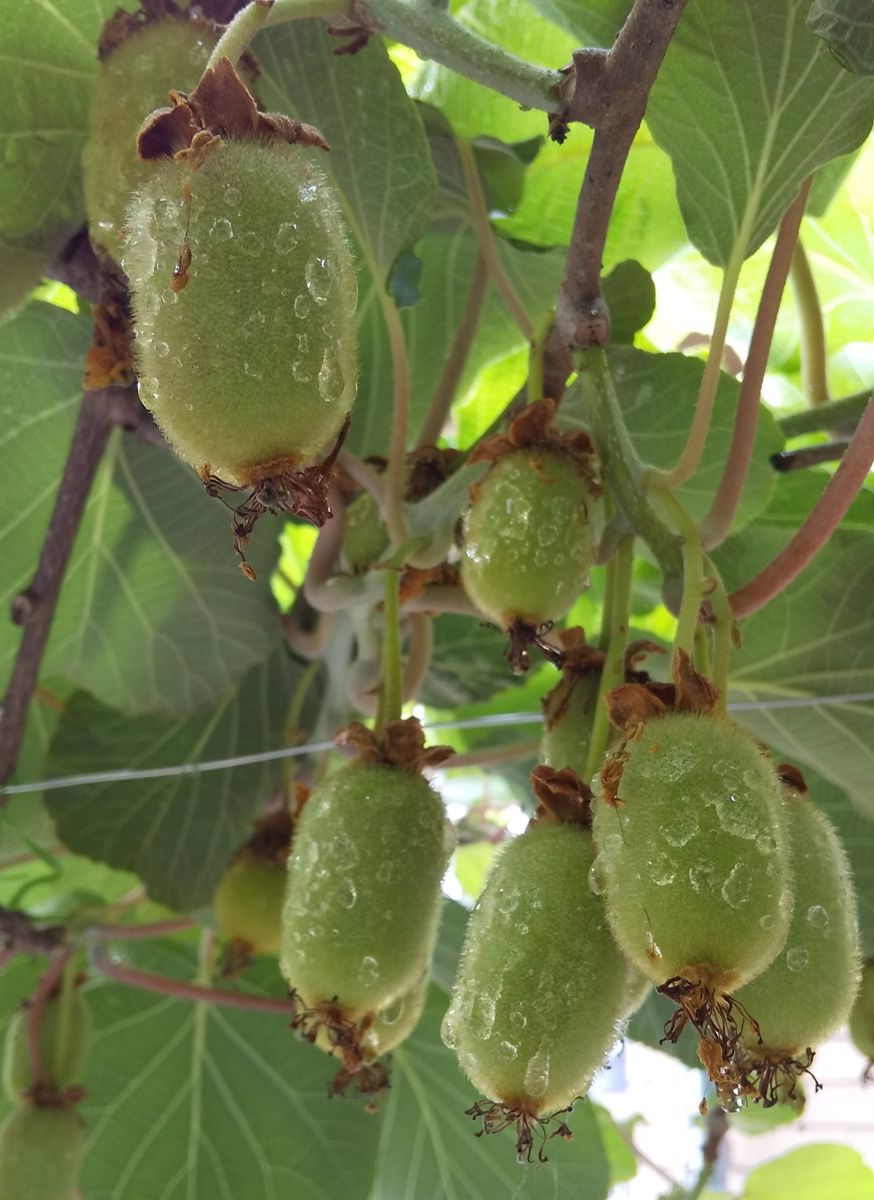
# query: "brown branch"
[824,518]
[34,608]
[611,93]
[19,935]
[146,981]
[716,525]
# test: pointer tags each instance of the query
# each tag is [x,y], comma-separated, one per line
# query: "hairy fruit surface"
[41,1150]
[249,368]
[65,1035]
[248,904]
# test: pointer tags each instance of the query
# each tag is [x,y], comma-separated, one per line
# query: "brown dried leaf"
[562,796]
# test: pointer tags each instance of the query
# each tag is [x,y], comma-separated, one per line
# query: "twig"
[308,642]
[34,608]
[841,416]
[391,685]
[716,525]
[443,598]
[325,591]
[19,934]
[621,81]
[154,929]
[444,393]
[814,355]
[717,1128]
[824,518]
[486,240]
[147,981]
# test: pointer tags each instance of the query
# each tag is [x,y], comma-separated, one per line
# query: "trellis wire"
[490,720]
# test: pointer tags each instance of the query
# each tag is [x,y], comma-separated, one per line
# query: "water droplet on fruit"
[347,893]
[663,870]
[736,816]
[674,763]
[344,851]
[537,1074]
[817,916]
[302,306]
[317,279]
[685,828]
[233,196]
[517,1020]
[732,1101]
[447,1030]
[797,958]
[767,921]
[168,297]
[254,324]
[251,244]
[307,193]
[301,371]
[162,349]
[508,1051]
[701,877]
[287,237]
[596,877]
[766,844]
[303,343]
[368,972]
[736,889]
[508,900]
[393,1013]
[221,230]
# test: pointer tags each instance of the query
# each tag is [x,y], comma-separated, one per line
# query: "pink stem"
[47,984]
[154,929]
[819,526]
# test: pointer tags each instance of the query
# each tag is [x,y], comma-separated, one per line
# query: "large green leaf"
[196,1102]
[594,22]
[468,663]
[49,63]
[848,27]
[811,1172]
[176,832]
[811,644]
[747,104]
[154,614]
[428,1146]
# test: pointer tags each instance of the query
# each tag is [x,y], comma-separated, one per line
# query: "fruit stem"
[421,627]
[258,15]
[620,575]
[148,982]
[622,468]
[534,384]
[396,469]
[814,356]
[153,929]
[723,635]
[716,525]
[822,521]
[391,685]
[693,572]
[701,655]
[456,357]
[292,732]
[487,245]
[47,984]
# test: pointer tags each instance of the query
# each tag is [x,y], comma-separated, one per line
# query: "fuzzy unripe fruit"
[249,368]
[363,899]
[41,1150]
[527,538]
[693,852]
[248,904]
[541,982]
[862,1016]
[65,1037]
[365,537]
[134,79]
[808,990]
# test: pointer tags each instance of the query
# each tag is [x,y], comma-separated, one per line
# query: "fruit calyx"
[529,1128]
[401,745]
[772,1079]
[561,797]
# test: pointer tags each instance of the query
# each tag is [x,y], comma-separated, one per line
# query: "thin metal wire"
[488,721]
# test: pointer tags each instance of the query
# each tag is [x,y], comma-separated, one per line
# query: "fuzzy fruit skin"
[541,983]
[396,1022]
[133,80]
[65,1052]
[41,1150]
[694,861]
[527,538]
[808,990]
[250,368]
[248,904]
[365,538]
[862,1016]
[566,743]
[363,899]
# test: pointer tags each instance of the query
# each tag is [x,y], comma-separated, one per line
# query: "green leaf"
[747,104]
[20,272]
[623,1164]
[450,939]
[657,393]
[49,63]
[811,642]
[379,155]
[468,663]
[848,27]
[154,614]
[648,1026]
[196,1102]
[630,295]
[811,1172]
[593,24]
[176,832]
[428,1146]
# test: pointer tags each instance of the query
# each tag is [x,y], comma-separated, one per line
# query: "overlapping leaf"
[848,28]
[748,103]
[594,23]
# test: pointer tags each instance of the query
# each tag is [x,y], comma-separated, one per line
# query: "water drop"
[368,972]
[393,1013]
[766,844]
[301,371]
[537,1074]
[736,889]
[797,958]
[317,279]
[250,243]
[233,196]
[344,850]
[347,893]
[447,1030]
[169,297]
[817,916]
[517,1020]
[508,901]
[307,193]
[162,349]
[663,870]
[731,1100]
[736,817]
[221,230]
[508,1051]
[686,826]
[303,343]
[286,238]
[701,877]
[254,324]
[596,877]
[302,306]
[767,921]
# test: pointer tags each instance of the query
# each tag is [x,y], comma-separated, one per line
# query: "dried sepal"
[561,796]
[630,704]
[402,746]
[535,428]
[531,1130]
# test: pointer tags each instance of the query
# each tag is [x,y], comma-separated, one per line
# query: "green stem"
[701,651]
[434,33]
[839,415]
[814,356]
[396,470]
[534,385]
[292,732]
[687,463]
[256,16]
[693,572]
[486,239]
[620,573]
[723,632]
[622,469]
[391,686]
